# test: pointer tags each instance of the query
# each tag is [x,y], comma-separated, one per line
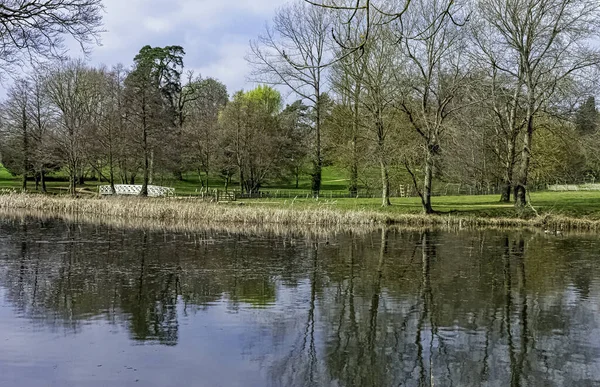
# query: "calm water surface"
[84,305]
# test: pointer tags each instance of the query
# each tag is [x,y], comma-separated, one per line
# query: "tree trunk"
[353,188]
[241,181]
[25,150]
[147,161]
[200,179]
[112,173]
[521,188]
[146,180]
[385,180]
[207,173]
[427,186]
[506,191]
[318,162]
[73,183]
[151,168]
[509,172]
[43,180]
[178,174]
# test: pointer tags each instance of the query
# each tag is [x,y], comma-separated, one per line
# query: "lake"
[97,305]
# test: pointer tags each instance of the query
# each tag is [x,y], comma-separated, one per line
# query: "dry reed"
[190,212]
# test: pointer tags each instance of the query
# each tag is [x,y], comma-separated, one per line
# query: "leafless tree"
[293,53]
[538,45]
[380,93]
[201,127]
[369,13]
[434,75]
[35,29]
[16,129]
[72,90]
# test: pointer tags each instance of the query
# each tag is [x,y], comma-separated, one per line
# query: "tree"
[293,53]
[557,156]
[295,121]
[252,137]
[72,90]
[106,145]
[586,118]
[16,130]
[346,123]
[201,126]
[380,94]
[41,129]
[152,91]
[35,29]
[538,46]
[434,76]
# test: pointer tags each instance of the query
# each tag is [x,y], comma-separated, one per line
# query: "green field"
[333,180]
[571,204]
[582,204]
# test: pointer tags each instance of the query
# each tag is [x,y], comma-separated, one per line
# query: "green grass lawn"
[333,179]
[573,204]
[582,204]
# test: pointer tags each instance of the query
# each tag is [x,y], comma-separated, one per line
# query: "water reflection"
[389,308]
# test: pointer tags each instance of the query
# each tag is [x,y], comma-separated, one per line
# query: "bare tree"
[539,45]
[346,123]
[72,89]
[293,53]
[201,128]
[253,139]
[37,28]
[41,125]
[104,147]
[16,130]
[433,75]
[380,93]
[368,13]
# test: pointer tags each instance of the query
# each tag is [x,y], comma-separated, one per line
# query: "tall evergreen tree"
[586,118]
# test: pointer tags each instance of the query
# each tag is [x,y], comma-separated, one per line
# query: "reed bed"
[187,213]
[191,227]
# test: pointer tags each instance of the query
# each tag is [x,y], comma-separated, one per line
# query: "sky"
[214,33]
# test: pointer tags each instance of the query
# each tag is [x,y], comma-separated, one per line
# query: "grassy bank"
[334,180]
[580,205]
[464,212]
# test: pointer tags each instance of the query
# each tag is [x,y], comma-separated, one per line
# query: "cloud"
[215,34]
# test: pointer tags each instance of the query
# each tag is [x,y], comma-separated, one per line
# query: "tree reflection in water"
[409,308]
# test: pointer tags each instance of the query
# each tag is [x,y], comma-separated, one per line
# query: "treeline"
[496,94]
[128,126]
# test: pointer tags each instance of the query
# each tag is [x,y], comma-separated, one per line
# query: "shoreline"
[187,212]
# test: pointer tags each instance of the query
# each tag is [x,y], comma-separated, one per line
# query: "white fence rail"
[573,187]
[127,189]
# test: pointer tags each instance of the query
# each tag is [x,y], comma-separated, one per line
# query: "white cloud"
[158,25]
[215,34]
[229,66]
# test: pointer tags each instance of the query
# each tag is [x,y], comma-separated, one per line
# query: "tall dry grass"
[191,227]
[190,212]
